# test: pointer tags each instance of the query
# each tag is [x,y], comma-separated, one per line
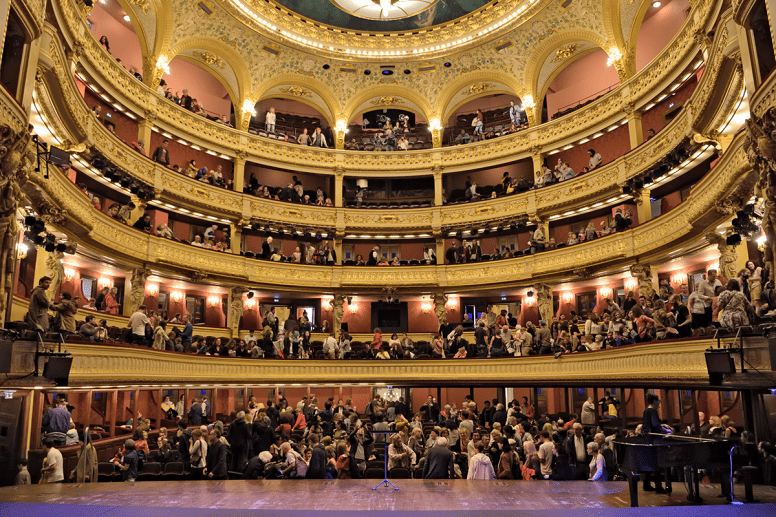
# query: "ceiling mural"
[375,15]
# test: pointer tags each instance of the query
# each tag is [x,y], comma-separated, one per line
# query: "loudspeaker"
[57,369]
[719,361]
[58,156]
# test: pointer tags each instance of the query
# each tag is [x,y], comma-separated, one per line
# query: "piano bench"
[747,472]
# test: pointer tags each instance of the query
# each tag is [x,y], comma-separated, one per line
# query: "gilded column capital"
[536,150]
[437,169]
[339,171]
[149,116]
[241,155]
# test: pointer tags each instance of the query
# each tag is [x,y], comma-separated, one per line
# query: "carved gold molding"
[661,362]
[566,52]
[209,58]
[478,88]
[296,91]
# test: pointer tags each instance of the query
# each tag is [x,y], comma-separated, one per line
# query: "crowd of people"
[334,440]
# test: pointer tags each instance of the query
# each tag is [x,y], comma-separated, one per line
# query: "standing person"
[138,322]
[129,463]
[23,476]
[708,289]
[195,413]
[197,454]
[439,462]
[480,466]
[239,441]
[650,425]
[270,120]
[161,155]
[215,462]
[597,464]
[53,472]
[318,139]
[317,466]
[37,312]
[588,412]
[514,114]
[56,423]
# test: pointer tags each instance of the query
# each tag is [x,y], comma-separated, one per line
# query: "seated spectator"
[125,212]
[139,146]
[197,241]
[90,304]
[463,137]
[225,121]
[191,169]
[572,239]
[96,203]
[402,143]
[650,134]
[88,329]
[144,223]
[349,146]
[595,159]
[162,230]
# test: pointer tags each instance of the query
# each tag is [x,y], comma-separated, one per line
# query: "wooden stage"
[346,498]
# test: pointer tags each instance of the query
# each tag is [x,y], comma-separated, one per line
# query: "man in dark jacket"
[266,248]
[317,467]
[184,440]
[361,448]
[263,435]
[401,408]
[273,414]
[239,438]
[439,462]
[500,416]
[216,457]
[195,413]
[431,409]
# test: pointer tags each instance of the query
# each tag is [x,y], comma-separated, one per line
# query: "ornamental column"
[635,128]
[238,171]
[545,222]
[440,248]
[339,176]
[438,188]
[436,136]
[337,241]
[337,311]
[137,290]
[236,308]
[140,208]
[643,205]
[235,241]
[538,159]
[144,127]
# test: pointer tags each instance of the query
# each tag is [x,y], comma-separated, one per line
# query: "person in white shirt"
[330,346]
[588,412]
[318,139]
[697,305]
[197,241]
[270,121]
[708,289]
[138,322]
[566,172]
[595,159]
[297,468]
[250,338]
[53,471]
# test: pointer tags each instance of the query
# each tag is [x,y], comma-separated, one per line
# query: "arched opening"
[495,114]
[14,51]
[292,117]
[659,26]
[580,83]
[367,129]
[109,19]
[207,90]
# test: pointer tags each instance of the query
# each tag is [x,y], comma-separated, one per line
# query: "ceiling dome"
[383,15]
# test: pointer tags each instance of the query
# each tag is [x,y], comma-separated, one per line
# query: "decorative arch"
[635,27]
[140,32]
[546,49]
[223,51]
[612,12]
[503,83]
[388,90]
[329,108]
[164,32]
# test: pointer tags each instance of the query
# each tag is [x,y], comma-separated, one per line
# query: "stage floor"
[344,498]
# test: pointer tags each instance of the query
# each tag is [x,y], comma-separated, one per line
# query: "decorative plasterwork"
[478,88]
[296,91]
[565,52]
[387,100]
[209,58]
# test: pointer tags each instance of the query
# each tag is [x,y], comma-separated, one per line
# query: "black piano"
[639,454]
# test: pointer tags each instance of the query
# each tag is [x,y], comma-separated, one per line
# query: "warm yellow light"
[568,298]
[177,296]
[614,56]
[528,102]
[104,282]
[153,289]
[530,301]
[426,307]
[69,274]
[353,308]
[605,292]
[213,300]
[631,284]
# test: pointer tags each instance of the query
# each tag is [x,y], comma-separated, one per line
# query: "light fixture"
[761,240]
[341,126]
[126,17]
[153,289]
[656,4]
[530,301]
[568,297]
[434,124]
[104,282]
[21,251]
[69,274]
[353,308]
[605,292]
[425,307]
[678,278]
[213,300]
[250,303]
[163,63]
[249,107]
[614,56]
[177,296]
[631,284]
[452,303]
[528,101]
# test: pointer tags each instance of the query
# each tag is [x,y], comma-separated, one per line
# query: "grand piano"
[638,455]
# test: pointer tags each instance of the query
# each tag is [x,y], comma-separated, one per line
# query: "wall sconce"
[425,307]
[69,274]
[250,303]
[530,301]
[528,102]
[452,304]
[104,282]
[21,251]
[713,265]
[163,63]
[213,300]
[353,308]
[568,298]
[327,304]
[678,278]
[177,296]
[605,292]
[631,285]
[614,56]
[153,289]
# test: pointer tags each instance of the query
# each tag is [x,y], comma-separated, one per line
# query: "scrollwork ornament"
[583,272]
[236,308]
[760,147]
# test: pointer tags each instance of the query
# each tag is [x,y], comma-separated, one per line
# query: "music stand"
[385,462]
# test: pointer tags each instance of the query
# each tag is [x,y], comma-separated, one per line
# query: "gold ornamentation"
[137,291]
[566,52]
[209,58]
[387,100]
[296,91]
[760,146]
[478,88]
[644,275]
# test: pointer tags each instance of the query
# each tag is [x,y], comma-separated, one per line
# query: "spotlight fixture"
[125,182]
[638,184]
[530,294]
[134,188]
[499,228]
[627,189]
[513,225]
[350,300]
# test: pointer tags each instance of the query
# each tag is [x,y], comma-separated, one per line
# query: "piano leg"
[633,486]
[667,479]
[693,484]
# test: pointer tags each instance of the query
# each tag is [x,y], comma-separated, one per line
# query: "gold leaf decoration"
[387,100]
[477,88]
[210,58]
[566,52]
[296,91]
[142,4]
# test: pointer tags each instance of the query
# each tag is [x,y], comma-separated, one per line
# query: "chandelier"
[384,9]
